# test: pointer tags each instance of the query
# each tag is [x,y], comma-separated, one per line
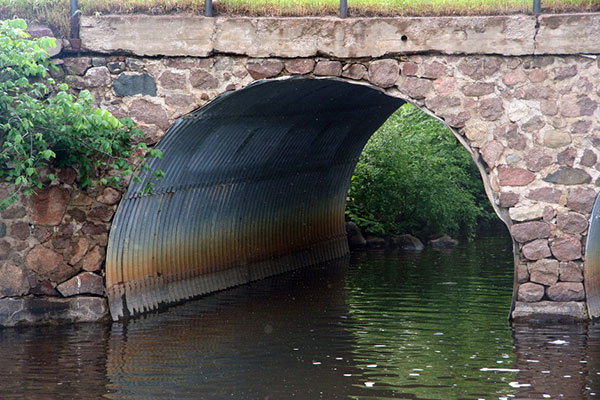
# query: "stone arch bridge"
[265,119]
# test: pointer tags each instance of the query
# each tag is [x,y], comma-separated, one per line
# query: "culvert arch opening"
[256,183]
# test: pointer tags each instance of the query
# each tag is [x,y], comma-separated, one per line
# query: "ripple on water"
[383,325]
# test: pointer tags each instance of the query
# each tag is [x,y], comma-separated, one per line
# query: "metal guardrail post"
[74,37]
[537,7]
[343,8]
[208,8]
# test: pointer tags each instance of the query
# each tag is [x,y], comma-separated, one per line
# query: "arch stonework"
[530,123]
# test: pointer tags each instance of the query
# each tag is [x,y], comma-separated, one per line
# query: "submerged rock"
[375,241]
[445,242]
[355,237]
[407,242]
[52,310]
[550,311]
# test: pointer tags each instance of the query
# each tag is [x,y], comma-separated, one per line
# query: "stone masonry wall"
[530,122]
[53,247]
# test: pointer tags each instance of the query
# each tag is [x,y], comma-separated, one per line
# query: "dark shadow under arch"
[256,184]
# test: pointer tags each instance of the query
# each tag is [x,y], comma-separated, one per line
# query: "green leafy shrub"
[415,177]
[43,125]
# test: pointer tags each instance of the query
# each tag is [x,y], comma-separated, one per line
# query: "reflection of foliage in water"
[414,177]
[444,314]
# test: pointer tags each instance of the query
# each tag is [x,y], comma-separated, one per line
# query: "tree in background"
[415,177]
[43,125]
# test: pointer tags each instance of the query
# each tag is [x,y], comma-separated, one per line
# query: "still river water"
[380,325]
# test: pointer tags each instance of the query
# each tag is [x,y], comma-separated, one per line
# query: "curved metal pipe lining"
[591,270]
[255,185]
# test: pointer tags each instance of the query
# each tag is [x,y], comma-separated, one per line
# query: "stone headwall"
[184,35]
[53,246]
[530,122]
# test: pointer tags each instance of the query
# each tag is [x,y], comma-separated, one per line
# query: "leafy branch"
[414,177]
[43,125]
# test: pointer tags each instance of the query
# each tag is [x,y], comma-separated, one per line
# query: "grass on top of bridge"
[56,12]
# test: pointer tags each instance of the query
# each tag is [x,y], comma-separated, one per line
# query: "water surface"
[379,325]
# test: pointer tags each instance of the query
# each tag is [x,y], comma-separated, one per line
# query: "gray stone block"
[130,85]
[550,311]
[52,310]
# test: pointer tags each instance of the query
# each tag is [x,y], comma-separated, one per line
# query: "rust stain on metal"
[256,185]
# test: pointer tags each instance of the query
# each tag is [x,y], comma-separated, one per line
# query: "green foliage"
[42,124]
[414,177]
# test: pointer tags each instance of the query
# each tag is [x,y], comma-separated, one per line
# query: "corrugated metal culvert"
[255,185]
[592,263]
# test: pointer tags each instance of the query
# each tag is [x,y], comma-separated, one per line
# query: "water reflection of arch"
[557,360]
[220,337]
[54,362]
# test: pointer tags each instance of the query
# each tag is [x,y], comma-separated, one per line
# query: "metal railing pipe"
[74,18]
[343,8]
[74,36]
[74,7]
[208,8]
[537,7]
